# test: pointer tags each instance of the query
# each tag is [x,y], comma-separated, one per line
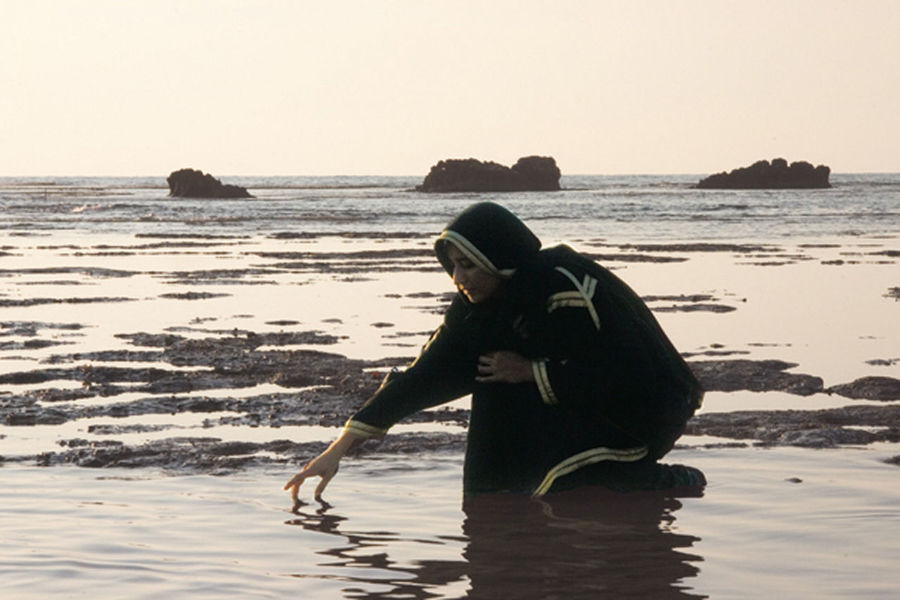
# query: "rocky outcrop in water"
[530,173]
[775,175]
[190,183]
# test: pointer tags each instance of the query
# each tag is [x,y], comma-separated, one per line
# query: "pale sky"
[336,87]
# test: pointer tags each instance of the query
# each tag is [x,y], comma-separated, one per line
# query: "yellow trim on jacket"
[588,457]
[364,430]
[542,379]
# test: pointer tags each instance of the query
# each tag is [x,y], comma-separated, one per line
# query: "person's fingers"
[320,489]
[486,368]
[295,481]
[326,479]
[486,365]
[299,478]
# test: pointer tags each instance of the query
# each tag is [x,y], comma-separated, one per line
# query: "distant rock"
[531,173]
[775,175]
[190,183]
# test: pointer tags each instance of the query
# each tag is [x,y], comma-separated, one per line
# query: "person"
[573,381]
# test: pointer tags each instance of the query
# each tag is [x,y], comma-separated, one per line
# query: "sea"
[806,276]
[620,208]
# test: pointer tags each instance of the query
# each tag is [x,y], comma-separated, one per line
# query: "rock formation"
[190,183]
[531,173]
[775,175]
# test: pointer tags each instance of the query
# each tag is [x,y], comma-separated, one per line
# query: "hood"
[491,237]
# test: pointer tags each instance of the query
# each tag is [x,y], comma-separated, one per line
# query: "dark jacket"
[609,386]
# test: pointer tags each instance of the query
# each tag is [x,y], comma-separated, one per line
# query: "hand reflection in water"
[318,520]
[583,543]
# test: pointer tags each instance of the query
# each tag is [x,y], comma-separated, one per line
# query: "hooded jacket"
[608,384]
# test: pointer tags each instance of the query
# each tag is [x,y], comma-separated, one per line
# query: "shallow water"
[803,277]
[783,522]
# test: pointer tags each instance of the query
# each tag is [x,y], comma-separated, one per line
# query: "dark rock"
[531,173]
[414,443]
[192,295]
[697,307]
[26,377]
[291,380]
[826,428]
[36,416]
[539,172]
[17,302]
[775,175]
[883,362]
[233,448]
[190,183]
[212,455]
[869,388]
[701,247]
[755,376]
[829,437]
[109,429]
[633,258]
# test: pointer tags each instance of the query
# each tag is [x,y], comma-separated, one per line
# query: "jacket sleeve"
[441,373]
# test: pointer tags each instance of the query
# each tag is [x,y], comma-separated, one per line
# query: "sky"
[390,87]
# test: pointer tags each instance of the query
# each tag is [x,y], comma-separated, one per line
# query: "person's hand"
[325,466]
[504,367]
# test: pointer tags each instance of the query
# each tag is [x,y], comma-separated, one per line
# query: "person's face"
[474,282]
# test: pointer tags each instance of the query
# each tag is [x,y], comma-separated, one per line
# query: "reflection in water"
[583,543]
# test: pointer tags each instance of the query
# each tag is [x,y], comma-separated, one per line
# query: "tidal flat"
[157,388]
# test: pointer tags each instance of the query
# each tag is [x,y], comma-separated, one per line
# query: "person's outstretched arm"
[442,372]
[325,465]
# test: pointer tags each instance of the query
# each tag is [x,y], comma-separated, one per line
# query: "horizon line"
[409,176]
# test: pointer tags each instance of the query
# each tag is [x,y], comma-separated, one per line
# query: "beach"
[167,364]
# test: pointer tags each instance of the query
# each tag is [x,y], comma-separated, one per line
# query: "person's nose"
[458,275]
